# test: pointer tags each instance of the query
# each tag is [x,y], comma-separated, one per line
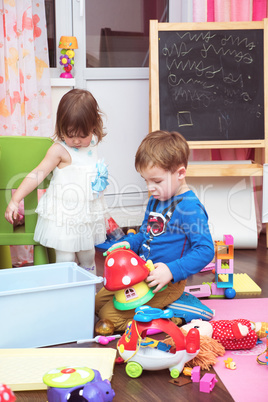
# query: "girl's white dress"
[71,216]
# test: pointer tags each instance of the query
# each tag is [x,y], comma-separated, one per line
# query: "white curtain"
[25,90]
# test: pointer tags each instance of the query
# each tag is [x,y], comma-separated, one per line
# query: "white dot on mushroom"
[134,261]
[110,262]
[126,280]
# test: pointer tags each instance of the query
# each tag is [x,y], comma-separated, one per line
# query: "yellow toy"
[230,364]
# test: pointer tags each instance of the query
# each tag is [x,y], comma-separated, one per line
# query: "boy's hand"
[159,277]
[11,213]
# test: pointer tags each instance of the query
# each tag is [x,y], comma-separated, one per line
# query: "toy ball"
[229,293]
[104,327]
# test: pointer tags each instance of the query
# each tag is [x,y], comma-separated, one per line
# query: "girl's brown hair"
[78,114]
[167,150]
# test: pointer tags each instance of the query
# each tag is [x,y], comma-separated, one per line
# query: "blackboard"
[211,83]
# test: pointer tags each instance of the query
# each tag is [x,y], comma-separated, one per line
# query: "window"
[117,31]
[51,31]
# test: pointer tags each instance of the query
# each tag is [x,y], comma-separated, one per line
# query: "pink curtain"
[229,10]
[259,10]
[25,90]
[222,10]
[241,10]
[232,10]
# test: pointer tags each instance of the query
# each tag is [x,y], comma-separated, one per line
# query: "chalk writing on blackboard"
[211,84]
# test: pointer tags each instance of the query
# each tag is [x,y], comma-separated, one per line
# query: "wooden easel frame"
[253,169]
[260,146]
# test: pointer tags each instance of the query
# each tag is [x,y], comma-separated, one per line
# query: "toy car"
[143,353]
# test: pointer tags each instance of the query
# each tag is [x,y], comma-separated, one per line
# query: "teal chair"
[18,156]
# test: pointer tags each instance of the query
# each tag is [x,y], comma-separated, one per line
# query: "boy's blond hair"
[167,150]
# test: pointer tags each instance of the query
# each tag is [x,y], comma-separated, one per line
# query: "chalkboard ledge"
[223,168]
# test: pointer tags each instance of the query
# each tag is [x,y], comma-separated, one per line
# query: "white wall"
[126,123]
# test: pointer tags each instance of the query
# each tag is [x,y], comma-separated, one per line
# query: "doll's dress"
[71,216]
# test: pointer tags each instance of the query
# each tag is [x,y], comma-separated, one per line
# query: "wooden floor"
[154,385]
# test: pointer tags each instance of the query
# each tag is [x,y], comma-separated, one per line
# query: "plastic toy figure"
[207,383]
[125,273]
[69,383]
[67,45]
[103,340]
[230,364]
[232,334]
[6,394]
[142,352]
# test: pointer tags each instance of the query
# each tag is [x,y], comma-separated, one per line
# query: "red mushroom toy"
[124,274]
[6,395]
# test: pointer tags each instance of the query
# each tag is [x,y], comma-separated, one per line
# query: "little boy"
[174,233]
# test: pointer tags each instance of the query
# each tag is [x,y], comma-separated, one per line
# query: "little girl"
[71,212]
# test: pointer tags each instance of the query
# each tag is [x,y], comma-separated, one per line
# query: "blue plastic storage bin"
[46,305]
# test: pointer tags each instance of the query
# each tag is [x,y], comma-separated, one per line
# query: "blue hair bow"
[101,180]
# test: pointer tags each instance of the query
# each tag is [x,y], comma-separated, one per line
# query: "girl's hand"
[159,277]
[11,213]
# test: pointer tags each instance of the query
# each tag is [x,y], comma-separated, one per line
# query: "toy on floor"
[207,383]
[209,351]
[70,383]
[243,285]
[232,334]
[195,374]
[227,284]
[104,327]
[6,394]
[264,352]
[103,340]
[230,364]
[125,273]
[224,264]
[143,353]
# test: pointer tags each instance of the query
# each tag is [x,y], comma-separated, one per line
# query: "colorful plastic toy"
[143,353]
[199,290]
[6,394]
[207,383]
[230,364]
[71,383]
[195,375]
[103,340]
[232,334]
[124,274]
[264,352]
[224,265]
[67,45]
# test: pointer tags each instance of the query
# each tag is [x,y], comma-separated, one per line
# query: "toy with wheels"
[77,383]
[143,353]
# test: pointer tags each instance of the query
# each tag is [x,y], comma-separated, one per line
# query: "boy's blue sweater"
[186,245]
